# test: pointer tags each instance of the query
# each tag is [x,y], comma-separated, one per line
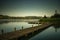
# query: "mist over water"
[9,25]
[51,33]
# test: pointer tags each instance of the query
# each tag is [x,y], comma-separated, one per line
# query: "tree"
[45,16]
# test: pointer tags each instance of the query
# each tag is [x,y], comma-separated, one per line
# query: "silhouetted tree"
[45,16]
[56,15]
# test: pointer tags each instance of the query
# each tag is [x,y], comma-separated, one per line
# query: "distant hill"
[26,17]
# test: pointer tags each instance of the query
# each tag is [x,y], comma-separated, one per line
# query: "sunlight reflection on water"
[8,27]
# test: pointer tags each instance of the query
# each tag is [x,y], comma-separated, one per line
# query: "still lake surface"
[51,33]
[8,25]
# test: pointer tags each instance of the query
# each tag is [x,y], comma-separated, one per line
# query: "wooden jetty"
[21,34]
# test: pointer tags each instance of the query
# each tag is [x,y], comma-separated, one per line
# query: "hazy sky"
[29,7]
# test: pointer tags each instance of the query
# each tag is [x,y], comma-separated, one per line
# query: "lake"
[9,25]
[51,33]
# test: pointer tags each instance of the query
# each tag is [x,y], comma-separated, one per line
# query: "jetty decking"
[20,33]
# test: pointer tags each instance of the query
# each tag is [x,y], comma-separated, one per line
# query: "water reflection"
[56,26]
[51,33]
[2,22]
[11,26]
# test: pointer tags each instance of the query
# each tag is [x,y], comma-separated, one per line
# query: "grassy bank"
[51,20]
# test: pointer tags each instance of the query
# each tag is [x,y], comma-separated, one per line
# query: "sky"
[29,7]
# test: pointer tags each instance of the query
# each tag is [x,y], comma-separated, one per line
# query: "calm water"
[50,33]
[9,25]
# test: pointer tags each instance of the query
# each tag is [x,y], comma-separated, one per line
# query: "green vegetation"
[4,17]
[53,19]
[49,20]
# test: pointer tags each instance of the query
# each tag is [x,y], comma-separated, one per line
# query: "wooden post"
[15,29]
[32,25]
[22,27]
[38,23]
[2,31]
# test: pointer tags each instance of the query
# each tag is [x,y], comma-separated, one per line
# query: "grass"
[50,20]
